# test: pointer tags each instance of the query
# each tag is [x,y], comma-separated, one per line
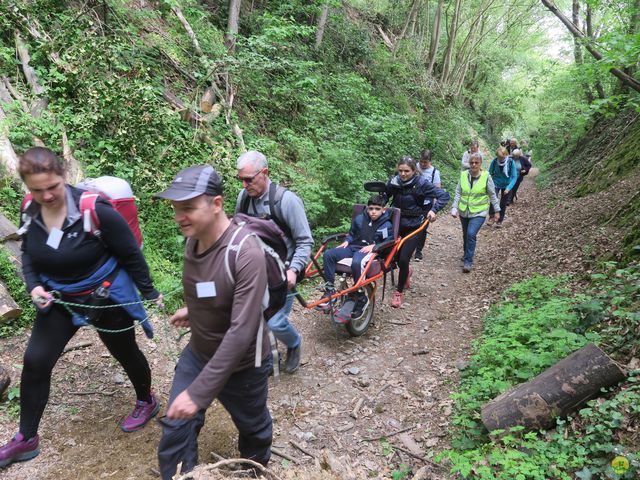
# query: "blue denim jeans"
[470,228]
[244,396]
[280,326]
[333,256]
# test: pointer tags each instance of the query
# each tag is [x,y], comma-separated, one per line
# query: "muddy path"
[400,374]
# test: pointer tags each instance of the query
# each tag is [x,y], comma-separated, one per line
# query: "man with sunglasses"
[262,198]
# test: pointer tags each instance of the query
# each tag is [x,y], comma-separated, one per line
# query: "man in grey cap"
[225,316]
[262,198]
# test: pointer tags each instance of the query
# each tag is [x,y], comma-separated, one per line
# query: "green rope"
[68,305]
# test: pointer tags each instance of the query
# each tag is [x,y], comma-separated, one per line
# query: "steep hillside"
[606,160]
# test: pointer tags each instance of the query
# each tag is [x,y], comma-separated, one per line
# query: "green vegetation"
[540,322]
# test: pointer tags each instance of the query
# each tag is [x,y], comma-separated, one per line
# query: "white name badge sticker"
[55,236]
[206,289]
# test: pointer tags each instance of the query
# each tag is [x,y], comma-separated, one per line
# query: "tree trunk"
[577,50]
[232,25]
[414,19]
[74,171]
[622,76]
[322,23]
[410,17]
[575,16]
[556,392]
[435,37]
[451,40]
[8,307]
[187,26]
[589,22]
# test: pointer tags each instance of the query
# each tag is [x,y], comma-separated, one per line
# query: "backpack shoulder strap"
[276,192]
[244,202]
[433,174]
[87,206]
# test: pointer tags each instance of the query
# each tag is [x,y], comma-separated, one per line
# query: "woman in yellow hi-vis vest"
[474,193]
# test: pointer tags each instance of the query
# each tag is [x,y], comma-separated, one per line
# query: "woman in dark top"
[408,191]
[57,250]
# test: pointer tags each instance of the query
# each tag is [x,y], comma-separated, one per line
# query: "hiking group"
[238,272]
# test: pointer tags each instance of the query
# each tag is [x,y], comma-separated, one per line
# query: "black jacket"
[79,253]
[410,197]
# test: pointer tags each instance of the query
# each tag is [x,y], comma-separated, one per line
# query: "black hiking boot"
[292,362]
[326,306]
[418,257]
[362,302]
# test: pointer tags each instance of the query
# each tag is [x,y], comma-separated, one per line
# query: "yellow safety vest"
[473,200]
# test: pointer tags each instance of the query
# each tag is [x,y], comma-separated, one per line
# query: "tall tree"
[577,49]
[232,24]
[590,34]
[625,78]
[435,37]
[451,41]
[322,23]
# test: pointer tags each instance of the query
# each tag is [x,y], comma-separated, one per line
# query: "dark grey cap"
[192,182]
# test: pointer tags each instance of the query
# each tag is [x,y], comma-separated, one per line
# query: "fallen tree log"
[556,392]
[10,241]
[41,102]
[5,380]
[8,157]
[8,307]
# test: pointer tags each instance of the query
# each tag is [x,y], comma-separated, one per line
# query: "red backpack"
[113,189]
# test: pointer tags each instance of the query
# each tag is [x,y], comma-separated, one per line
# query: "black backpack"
[276,193]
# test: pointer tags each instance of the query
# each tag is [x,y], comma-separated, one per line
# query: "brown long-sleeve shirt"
[224,316]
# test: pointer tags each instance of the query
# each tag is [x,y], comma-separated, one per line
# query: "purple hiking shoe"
[18,450]
[142,413]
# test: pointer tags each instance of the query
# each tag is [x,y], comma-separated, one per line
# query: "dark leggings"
[404,257]
[51,332]
[504,202]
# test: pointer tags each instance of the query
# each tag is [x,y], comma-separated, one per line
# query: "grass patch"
[540,322]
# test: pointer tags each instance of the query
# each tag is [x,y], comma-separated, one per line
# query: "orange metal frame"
[312,270]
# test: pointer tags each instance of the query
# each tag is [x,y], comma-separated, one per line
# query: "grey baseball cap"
[192,182]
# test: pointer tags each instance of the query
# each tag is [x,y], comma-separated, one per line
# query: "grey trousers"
[244,396]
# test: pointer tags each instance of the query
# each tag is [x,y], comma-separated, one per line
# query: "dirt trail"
[403,370]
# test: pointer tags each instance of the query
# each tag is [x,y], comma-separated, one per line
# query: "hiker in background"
[512,145]
[523,165]
[373,226]
[225,317]
[262,198]
[473,148]
[56,249]
[504,173]
[408,191]
[431,174]
[475,192]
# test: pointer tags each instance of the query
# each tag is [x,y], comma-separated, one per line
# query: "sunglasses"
[250,179]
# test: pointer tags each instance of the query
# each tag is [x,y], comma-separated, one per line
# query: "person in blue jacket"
[373,226]
[408,191]
[505,175]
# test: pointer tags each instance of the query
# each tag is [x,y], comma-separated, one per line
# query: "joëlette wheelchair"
[381,261]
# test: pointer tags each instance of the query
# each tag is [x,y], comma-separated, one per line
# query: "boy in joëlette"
[371,227]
